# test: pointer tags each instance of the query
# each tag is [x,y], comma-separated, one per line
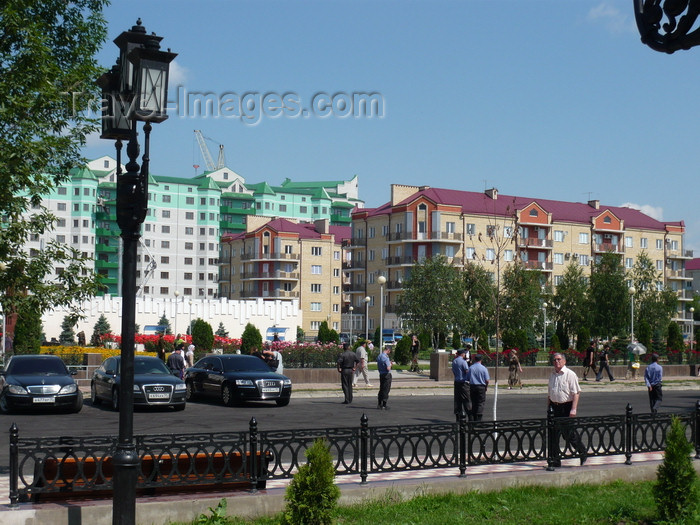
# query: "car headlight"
[182,386]
[16,389]
[288,382]
[69,389]
[137,389]
[244,382]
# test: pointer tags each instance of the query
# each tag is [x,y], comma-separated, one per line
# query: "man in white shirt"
[362,367]
[563,395]
[189,355]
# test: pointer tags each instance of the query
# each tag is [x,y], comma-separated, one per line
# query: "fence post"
[697,430]
[14,465]
[551,445]
[364,447]
[628,434]
[462,441]
[253,448]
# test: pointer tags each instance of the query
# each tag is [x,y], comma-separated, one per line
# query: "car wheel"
[282,402]
[190,392]
[4,408]
[227,395]
[115,399]
[93,395]
[78,405]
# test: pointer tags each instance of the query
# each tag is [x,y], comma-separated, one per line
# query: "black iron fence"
[45,468]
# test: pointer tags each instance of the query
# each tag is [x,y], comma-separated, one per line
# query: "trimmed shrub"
[251,339]
[675,492]
[202,335]
[312,496]
[402,351]
[27,339]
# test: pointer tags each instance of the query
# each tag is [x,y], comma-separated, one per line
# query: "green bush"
[28,331]
[251,339]
[583,339]
[312,496]
[675,491]
[402,351]
[202,335]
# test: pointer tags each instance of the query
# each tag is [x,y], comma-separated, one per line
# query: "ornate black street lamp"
[135,89]
[678,32]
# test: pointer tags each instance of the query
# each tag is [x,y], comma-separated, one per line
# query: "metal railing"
[83,465]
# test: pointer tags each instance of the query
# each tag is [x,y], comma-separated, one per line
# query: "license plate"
[51,399]
[270,390]
[159,396]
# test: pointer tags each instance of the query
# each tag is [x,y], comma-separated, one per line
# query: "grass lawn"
[617,503]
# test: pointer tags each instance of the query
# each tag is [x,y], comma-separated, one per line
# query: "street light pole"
[135,90]
[366,301]
[544,340]
[190,325]
[633,290]
[177,295]
[381,280]
[351,309]
[692,327]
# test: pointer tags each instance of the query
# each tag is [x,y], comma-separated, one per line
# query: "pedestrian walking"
[347,362]
[563,395]
[462,399]
[362,366]
[189,355]
[415,349]
[384,367]
[604,363]
[176,362]
[514,370]
[478,383]
[652,378]
[589,361]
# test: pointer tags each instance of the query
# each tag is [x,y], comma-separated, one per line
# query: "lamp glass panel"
[153,87]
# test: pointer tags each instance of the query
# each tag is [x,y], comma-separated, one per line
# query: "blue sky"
[554,99]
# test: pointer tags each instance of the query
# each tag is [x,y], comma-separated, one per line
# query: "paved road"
[315,413]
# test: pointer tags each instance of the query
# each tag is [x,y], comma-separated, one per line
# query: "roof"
[477,203]
[693,264]
[305,230]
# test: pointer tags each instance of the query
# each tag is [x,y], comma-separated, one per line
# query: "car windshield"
[245,364]
[150,366]
[37,367]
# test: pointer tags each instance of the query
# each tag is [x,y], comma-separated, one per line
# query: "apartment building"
[278,258]
[495,230]
[179,248]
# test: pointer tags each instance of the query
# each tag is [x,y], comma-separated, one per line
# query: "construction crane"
[208,160]
[150,269]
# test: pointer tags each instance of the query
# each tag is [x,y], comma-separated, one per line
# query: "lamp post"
[381,280]
[633,290]
[177,295]
[544,340]
[190,325]
[679,27]
[692,328]
[351,309]
[134,90]
[366,300]
[3,266]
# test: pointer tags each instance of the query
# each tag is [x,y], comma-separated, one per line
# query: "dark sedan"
[154,385]
[38,381]
[236,379]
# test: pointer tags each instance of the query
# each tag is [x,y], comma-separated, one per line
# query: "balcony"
[607,247]
[106,232]
[99,264]
[678,275]
[106,248]
[538,265]
[394,285]
[276,275]
[391,308]
[532,242]
[270,257]
[277,294]
[357,241]
[400,260]
[449,237]
[679,254]
[104,216]
[354,265]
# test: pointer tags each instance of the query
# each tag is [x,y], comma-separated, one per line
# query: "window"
[470,253]
[165,229]
[659,244]
[559,235]
[302,209]
[558,279]
[61,206]
[315,325]
[336,290]
[316,269]
[491,230]
[283,208]
[315,307]
[558,258]
[189,200]
[507,232]
[644,242]
[450,227]
[629,263]
[471,229]
[534,213]
[166,198]
[583,260]
[607,219]
[370,232]
[61,223]
[165,259]
[315,288]
[508,255]
[385,230]
[164,275]
[336,272]
[629,242]
[659,264]
[163,290]
[189,245]
[165,244]
[166,214]
[76,207]
[490,254]
[316,250]
[583,238]
[62,191]
[336,255]
[189,231]
[370,255]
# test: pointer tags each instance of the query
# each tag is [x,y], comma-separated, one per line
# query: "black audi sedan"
[236,379]
[38,381]
[154,385]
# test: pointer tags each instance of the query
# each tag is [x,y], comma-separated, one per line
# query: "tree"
[324,335]
[674,340]
[480,295]
[100,329]
[67,336]
[251,339]
[571,300]
[165,324]
[609,296]
[221,331]
[202,335]
[651,303]
[28,333]
[433,298]
[521,297]
[47,79]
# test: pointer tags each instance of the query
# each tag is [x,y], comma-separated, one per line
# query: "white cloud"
[178,74]
[654,212]
[612,18]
